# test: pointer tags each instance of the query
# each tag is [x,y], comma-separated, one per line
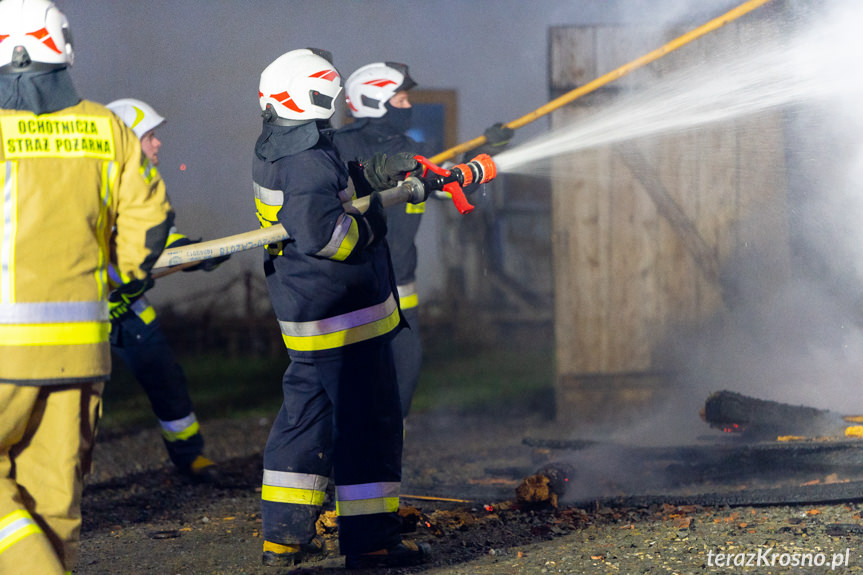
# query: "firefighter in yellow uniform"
[138,339]
[70,173]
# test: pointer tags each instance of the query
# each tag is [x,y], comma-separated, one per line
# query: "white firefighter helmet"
[34,36]
[369,88]
[299,86]
[138,115]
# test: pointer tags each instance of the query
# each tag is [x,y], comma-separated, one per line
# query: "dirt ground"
[461,471]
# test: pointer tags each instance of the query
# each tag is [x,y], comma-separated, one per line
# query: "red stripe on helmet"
[3,37]
[45,37]
[380,83]
[285,100]
[325,75]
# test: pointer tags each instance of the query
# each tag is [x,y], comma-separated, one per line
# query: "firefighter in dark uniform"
[333,292]
[377,96]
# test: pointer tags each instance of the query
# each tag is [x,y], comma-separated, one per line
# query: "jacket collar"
[38,92]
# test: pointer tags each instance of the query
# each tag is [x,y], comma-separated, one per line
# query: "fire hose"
[572,95]
[258,238]
[414,189]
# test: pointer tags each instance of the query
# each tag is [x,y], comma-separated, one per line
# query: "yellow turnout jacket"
[67,181]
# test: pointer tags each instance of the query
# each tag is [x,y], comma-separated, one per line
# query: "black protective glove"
[376,217]
[183,241]
[210,264]
[383,172]
[498,135]
[121,299]
[206,265]
[497,138]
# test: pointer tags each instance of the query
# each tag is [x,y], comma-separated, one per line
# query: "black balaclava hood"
[38,92]
[399,119]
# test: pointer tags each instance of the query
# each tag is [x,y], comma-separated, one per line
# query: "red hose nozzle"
[479,170]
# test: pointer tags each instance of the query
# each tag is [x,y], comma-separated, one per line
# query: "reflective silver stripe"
[14,526]
[140,305]
[6,247]
[268,196]
[109,184]
[296,480]
[179,425]
[407,290]
[149,171]
[343,226]
[339,322]
[367,491]
[114,275]
[53,312]
[346,195]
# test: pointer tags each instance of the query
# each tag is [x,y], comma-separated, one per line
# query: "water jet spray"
[573,95]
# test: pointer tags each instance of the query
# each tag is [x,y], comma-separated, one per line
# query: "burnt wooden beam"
[822,494]
[764,418]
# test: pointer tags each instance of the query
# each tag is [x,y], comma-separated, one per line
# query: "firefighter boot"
[277,555]
[201,470]
[404,554]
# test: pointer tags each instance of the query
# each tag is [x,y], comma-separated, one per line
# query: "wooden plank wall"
[645,232]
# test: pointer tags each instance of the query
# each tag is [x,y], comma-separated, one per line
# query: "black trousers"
[340,417]
[146,351]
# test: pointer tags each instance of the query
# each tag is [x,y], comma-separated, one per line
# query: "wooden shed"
[649,233]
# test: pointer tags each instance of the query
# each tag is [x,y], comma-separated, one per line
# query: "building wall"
[649,233]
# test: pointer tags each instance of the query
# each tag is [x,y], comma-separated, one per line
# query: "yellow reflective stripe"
[78,333]
[15,527]
[348,241]
[108,186]
[410,301]
[147,314]
[266,211]
[57,136]
[367,506]
[148,172]
[367,498]
[293,495]
[419,208]
[408,297]
[182,428]
[343,239]
[343,337]
[183,434]
[9,219]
